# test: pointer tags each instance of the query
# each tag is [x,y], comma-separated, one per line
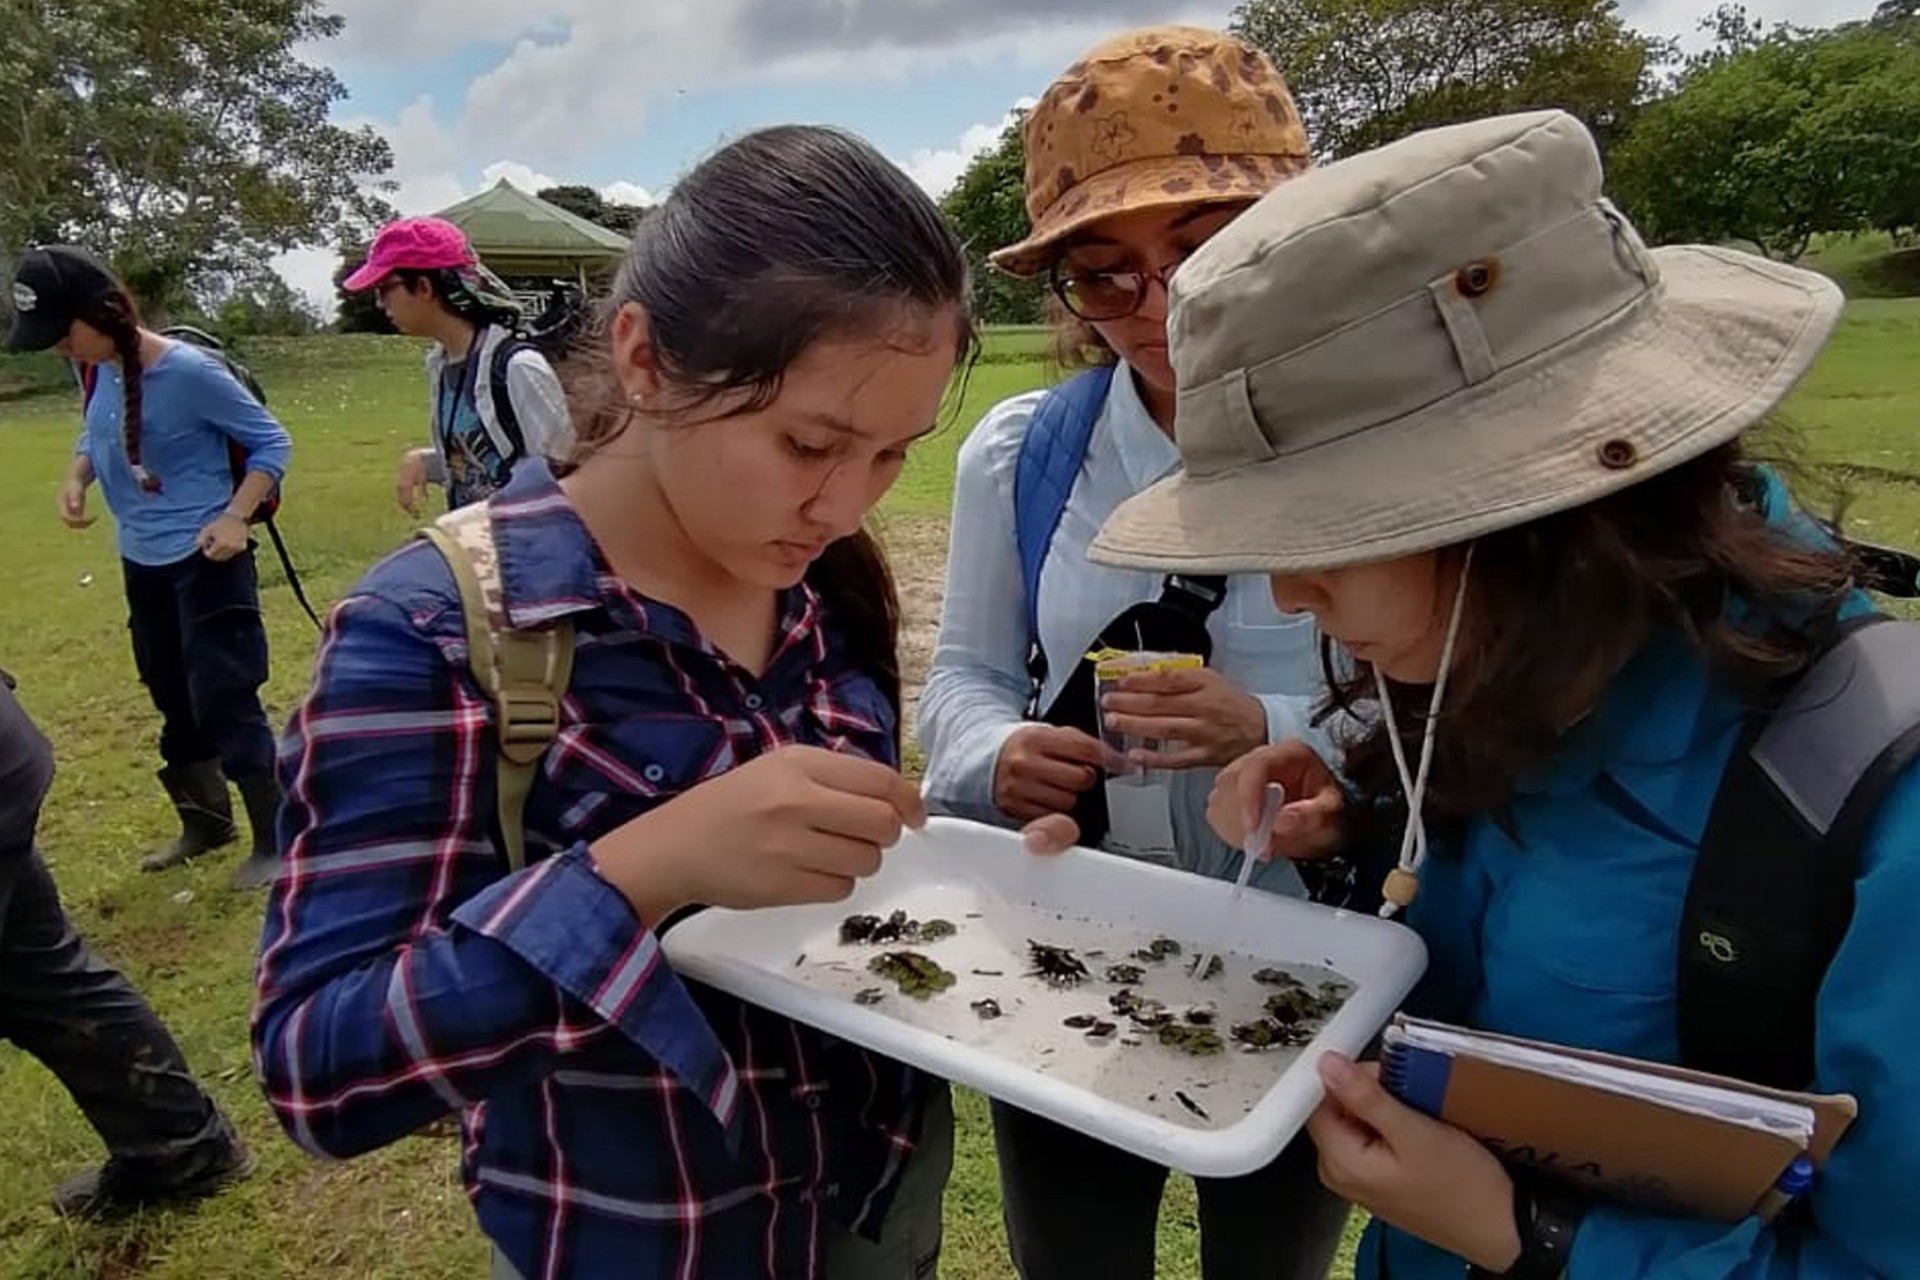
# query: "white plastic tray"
[983,880]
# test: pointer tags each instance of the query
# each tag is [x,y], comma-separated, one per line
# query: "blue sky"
[623,95]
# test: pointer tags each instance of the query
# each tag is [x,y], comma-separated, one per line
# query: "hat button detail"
[1618,455]
[1477,279]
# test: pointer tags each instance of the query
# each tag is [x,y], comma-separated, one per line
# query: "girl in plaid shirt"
[783,329]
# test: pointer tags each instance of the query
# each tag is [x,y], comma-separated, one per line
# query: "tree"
[987,209]
[585,202]
[1365,72]
[1893,13]
[184,139]
[1802,134]
[356,312]
[270,307]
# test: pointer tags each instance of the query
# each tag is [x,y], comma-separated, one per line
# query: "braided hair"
[118,319]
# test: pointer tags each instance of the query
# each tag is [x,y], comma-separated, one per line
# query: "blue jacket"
[1571,939]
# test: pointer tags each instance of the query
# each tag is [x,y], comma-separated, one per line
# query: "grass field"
[352,404]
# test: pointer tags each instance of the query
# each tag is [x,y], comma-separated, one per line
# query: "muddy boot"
[199,794]
[123,1186]
[261,795]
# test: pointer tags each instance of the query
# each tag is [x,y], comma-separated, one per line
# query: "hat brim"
[1158,183]
[36,331]
[369,274]
[1711,352]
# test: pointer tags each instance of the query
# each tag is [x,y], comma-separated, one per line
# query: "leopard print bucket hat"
[1157,117]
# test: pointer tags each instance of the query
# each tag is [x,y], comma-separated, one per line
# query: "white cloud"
[426,159]
[936,169]
[408,30]
[525,177]
[310,271]
[628,193]
[1681,18]
[559,97]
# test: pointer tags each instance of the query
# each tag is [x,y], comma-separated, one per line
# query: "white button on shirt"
[977,690]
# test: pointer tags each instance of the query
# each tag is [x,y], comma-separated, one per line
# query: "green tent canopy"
[520,235]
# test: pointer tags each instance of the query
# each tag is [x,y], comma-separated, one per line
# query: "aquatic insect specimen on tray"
[1157,950]
[1191,1105]
[869,995]
[897,927]
[1059,966]
[987,1009]
[1265,1033]
[1125,975]
[916,975]
[1296,1004]
[1201,1042]
[1146,1012]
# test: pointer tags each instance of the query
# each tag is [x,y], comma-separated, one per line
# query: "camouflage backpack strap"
[524,672]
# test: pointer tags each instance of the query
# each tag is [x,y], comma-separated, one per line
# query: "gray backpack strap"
[1772,891]
[524,672]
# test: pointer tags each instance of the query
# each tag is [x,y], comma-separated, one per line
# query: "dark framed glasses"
[1106,295]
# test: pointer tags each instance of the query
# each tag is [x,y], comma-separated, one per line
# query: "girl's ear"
[636,364]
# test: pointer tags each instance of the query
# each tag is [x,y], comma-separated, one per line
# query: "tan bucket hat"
[1155,117]
[1448,336]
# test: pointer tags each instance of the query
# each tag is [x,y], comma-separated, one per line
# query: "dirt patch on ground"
[917,549]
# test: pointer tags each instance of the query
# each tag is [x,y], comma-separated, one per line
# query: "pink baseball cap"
[412,244]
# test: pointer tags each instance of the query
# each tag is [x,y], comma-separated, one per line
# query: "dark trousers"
[1079,1209]
[201,650]
[84,1020]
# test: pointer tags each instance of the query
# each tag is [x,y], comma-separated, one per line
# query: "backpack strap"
[1051,454]
[502,395]
[523,672]
[1771,895]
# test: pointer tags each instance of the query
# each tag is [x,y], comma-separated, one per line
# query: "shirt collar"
[548,560]
[1146,452]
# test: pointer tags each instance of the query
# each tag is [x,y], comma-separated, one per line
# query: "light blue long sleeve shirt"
[190,406]
[1567,934]
[978,686]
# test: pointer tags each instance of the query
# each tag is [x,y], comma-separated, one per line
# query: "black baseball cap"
[52,285]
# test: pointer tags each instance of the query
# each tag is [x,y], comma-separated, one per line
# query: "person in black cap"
[166,1140]
[164,424]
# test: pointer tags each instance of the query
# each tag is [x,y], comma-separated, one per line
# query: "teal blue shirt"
[1568,935]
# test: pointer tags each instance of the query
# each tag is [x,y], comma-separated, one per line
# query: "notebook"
[1639,1133]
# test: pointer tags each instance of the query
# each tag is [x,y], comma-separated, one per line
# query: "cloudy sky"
[625,94]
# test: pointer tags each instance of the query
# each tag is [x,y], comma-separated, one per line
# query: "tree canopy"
[1365,72]
[1782,138]
[987,208]
[186,140]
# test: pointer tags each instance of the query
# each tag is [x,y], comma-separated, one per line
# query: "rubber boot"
[261,795]
[199,795]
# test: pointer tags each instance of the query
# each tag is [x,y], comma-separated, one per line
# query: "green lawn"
[352,404]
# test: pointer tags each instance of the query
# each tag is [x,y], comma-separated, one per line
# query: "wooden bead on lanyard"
[1402,884]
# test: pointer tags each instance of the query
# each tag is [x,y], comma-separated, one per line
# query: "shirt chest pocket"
[1592,907]
[599,774]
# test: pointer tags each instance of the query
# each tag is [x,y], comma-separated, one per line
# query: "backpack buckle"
[529,720]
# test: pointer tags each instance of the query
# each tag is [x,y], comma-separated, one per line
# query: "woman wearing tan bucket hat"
[1144,148]
[1448,400]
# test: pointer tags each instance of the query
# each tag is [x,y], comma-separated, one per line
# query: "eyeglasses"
[1107,295]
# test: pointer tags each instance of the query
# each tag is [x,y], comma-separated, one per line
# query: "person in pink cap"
[495,397]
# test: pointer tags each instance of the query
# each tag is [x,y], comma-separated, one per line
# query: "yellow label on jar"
[1117,664]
